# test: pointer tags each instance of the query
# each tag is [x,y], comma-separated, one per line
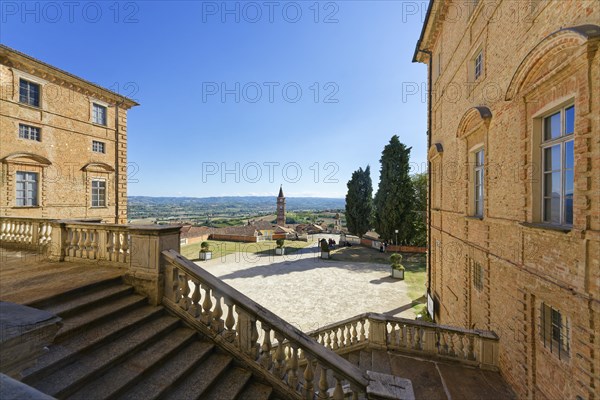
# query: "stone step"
[65,352]
[255,391]
[73,305]
[229,385]
[90,365]
[108,310]
[74,293]
[199,380]
[161,380]
[127,373]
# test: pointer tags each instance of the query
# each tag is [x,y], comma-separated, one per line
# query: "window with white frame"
[98,114]
[26,189]
[98,193]
[98,147]
[478,65]
[478,175]
[29,93]
[554,331]
[29,132]
[558,161]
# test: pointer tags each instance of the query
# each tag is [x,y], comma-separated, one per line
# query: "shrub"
[280,242]
[204,247]
[396,260]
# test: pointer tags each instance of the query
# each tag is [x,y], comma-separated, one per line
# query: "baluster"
[254,339]
[124,247]
[409,337]
[393,336]
[354,338]
[87,243]
[42,228]
[338,392]
[401,334]
[81,242]
[348,334]
[309,376]
[265,349]
[329,340]
[418,338]
[323,385]
[229,321]
[207,306]
[20,231]
[292,366]
[362,331]
[185,291]
[335,339]
[176,289]
[461,347]
[471,348]
[217,313]
[279,368]
[117,246]
[451,351]
[72,241]
[196,308]
[443,343]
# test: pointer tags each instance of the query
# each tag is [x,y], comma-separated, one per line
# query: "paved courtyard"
[309,292]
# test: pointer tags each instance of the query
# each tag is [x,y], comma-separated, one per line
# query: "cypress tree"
[359,202]
[395,196]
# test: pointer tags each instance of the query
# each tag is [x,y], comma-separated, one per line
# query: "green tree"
[359,202]
[419,182]
[395,196]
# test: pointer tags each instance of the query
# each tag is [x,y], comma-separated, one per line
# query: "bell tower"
[281,207]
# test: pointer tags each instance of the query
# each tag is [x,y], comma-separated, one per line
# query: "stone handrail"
[371,330]
[200,299]
[27,232]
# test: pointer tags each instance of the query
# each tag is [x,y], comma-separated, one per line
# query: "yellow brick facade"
[63,158]
[499,269]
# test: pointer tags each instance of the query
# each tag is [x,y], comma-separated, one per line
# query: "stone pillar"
[146,269]
[58,236]
[377,333]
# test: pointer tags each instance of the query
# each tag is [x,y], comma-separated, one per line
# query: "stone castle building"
[64,143]
[281,208]
[514,200]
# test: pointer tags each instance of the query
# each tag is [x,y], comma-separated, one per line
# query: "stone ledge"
[385,386]
[11,389]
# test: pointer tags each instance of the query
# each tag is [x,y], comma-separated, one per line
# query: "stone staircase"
[113,345]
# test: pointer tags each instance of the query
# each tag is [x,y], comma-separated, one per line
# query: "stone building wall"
[495,271]
[63,157]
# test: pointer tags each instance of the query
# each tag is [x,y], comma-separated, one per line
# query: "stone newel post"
[146,270]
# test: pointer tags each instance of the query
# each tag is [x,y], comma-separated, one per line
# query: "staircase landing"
[27,277]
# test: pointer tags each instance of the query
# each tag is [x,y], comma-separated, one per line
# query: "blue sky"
[240,97]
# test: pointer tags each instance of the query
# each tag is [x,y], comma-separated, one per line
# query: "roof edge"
[127,101]
[425,24]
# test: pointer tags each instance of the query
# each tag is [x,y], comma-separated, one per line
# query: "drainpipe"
[117,105]
[429,89]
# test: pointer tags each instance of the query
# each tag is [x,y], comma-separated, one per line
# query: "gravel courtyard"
[309,292]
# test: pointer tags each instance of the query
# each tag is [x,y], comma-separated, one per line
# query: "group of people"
[383,247]
[331,243]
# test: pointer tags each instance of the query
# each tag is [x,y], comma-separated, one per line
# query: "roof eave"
[419,55]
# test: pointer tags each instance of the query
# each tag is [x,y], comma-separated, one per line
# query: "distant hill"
[185,207]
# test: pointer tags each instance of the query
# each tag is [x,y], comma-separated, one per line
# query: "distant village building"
[64,143]
[514,199]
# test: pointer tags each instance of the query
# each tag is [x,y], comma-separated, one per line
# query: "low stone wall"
[393,248]
[234,238]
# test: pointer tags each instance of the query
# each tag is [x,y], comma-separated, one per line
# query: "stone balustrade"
[25,232]
[377,331]
[274,347]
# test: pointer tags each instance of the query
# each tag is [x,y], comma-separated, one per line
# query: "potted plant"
[205,253]
[397,267]
[280,250]
[324,249]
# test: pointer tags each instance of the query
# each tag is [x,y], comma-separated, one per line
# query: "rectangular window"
[98,114]
[558,167]
[98,193]
[29,93]
[98,147]
[478,184]
[554,331]
[478,65]
[477,276]
[27,189]
[29,132]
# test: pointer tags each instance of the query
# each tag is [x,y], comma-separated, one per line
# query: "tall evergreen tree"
[420,209]
[359,202]
[395,196]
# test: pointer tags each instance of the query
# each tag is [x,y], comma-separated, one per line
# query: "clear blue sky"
[175,59]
